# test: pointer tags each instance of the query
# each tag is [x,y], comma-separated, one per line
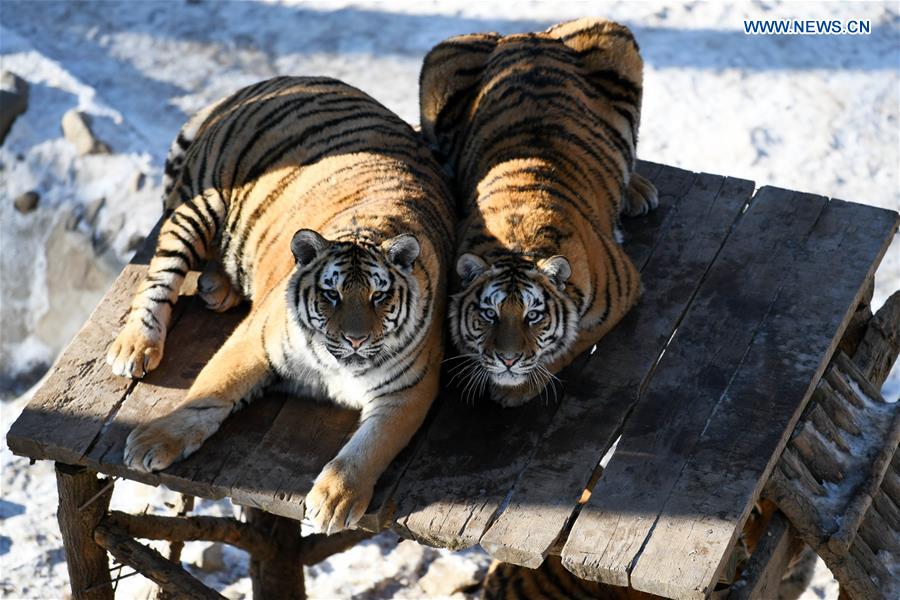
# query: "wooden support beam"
[859,322]
[182,507]
[151,564]
[197,528]
[880,345]
[317,547]
[769,562]
[83,499]
[279,576]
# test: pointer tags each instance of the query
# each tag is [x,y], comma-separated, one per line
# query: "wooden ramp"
[747,293]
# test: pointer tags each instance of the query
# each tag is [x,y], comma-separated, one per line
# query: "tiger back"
[540,131]
[326,211]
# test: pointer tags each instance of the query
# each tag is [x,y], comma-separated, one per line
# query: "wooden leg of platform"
[83,500]
[281,576]
[183,506]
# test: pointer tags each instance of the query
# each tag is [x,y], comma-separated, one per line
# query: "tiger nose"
[509,359]
[356,342]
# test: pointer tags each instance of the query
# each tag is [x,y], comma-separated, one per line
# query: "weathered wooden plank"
[279,472]
[592,414]
[764,399]
[472,455]
[696,368]
[189,345]
[214,468]
[769,561]
[65,415]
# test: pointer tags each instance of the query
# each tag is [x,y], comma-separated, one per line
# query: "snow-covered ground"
[817,113]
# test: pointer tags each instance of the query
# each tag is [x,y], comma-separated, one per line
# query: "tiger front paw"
[136,351]
[158,444]
[640,197]
[338,499]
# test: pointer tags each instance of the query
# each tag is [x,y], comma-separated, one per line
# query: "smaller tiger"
[540,131]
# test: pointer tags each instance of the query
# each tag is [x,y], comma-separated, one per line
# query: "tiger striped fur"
[540,131]
[328,213]
[550,581]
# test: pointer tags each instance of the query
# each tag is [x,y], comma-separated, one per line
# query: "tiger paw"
[216,290]
[158,444]
[338,498]
[136,351]
[640,197]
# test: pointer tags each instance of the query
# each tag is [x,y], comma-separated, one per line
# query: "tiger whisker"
[461,366]
[463,373]
[460,357]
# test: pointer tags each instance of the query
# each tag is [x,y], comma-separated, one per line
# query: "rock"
[212,558]
[76,280]
[135,242]
[76,128]
[102,239]
[137,184]
[73,218]
[92,210]
[27,202]
[448,575]
[13,100]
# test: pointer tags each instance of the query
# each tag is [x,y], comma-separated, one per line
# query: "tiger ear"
[558,269]
[306,246]
[470,266]
[402,250]
[448,84]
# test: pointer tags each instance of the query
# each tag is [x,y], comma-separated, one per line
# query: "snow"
[816,113]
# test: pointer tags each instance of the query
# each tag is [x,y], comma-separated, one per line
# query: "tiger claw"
[134,352]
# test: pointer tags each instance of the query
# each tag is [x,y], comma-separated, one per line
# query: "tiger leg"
[184,242]
[640,196]
[215,288]
[342,491]
[234,373]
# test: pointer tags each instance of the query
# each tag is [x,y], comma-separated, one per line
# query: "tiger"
[551,580]
[539,131]
[329,214]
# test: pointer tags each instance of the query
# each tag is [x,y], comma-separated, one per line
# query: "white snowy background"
[814,113]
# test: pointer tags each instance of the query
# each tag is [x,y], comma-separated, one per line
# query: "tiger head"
[356,300]
[512,318]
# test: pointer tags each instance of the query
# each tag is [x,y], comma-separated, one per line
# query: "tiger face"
[352,298]
[512,318]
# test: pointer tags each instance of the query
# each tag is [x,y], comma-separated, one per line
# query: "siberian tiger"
[328,213]
[540,131]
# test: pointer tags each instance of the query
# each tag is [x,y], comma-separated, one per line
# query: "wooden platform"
[746,295]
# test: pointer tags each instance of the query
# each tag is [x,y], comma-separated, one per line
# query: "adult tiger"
[540,130]
[328,213]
